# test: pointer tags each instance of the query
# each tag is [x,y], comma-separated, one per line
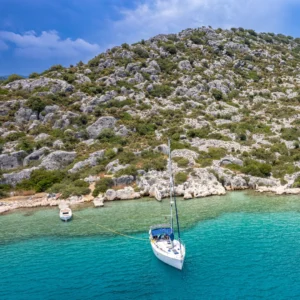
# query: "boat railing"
[160,226]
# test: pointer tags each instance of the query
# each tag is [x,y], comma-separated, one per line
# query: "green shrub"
[166,65]
[67,189]
[37,104]
[218,95]
[40,180]
[180,177]
[171,48]
[4,91]
[290,134]
[199,132]
[158,164]
[108,135]
[102,186]
[160,91]
[4,189]
[12,78]
[34,75]
[126,157]
[110,153]
[14,136]
[142,53]
[256,168]
[233,167]
[131,170]
[26,145]
[296,183]
[145,128]
[254,76]
[181,161]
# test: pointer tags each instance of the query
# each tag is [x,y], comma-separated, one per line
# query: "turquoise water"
[239,246]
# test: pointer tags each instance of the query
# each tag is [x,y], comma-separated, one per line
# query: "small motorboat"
[65,214]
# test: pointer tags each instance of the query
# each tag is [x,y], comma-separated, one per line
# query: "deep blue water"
[241,246]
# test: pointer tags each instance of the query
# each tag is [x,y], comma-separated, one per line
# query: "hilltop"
[228,99]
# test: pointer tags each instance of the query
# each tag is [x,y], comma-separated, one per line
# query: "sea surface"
[239,246]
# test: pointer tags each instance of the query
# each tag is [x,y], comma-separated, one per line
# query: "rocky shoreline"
[207,186]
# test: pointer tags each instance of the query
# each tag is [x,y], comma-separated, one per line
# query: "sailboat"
[162,239]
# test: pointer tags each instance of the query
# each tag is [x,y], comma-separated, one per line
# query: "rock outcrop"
[57,160]
[102,123]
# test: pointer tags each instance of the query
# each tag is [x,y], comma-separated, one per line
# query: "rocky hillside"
[228,99]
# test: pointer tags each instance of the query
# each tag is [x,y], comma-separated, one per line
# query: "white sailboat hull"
[171,259]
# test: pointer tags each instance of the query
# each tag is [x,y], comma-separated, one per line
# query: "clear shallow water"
[239,246]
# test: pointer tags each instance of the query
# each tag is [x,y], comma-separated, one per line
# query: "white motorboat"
[164,245]
[65,214]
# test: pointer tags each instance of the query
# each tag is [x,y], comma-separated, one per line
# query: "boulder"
[12,161]
[91,161]
[14,178]
[36,155]
[124,180]
[81,79]
[102,123]
[203,183]
[110,195]
[231,160]
[98,201]
[188,154]
[184,65]
[163,148]
[23,115]
[114,166]
[127,193]
[55,85]
[41,137]
[57,160]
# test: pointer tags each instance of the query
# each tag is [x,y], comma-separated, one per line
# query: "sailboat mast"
[171,185]
[172,193]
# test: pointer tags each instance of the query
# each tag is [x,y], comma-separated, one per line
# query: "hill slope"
[228,99]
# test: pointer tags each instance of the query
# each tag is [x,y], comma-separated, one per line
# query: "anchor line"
[114,231]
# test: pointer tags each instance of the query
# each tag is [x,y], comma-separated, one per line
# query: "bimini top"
[157,230]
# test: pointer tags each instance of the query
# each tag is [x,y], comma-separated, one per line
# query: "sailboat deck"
[165,246]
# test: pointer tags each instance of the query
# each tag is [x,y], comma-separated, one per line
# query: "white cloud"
[47,45]
[171,16]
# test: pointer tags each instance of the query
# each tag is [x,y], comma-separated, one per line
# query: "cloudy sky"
[36,34]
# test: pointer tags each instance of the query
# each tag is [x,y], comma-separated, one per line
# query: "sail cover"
[159,231]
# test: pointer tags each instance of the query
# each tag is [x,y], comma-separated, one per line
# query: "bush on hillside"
[40,180]
[12,78]
[181,161]
[160,90]
[102,186]
[180,178]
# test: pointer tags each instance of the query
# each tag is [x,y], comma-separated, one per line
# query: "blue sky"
[36,34]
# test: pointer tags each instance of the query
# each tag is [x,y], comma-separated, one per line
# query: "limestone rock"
[124,180]
[98,201]
[55,85]
[57,160]
[41,137]
[12,161]
[114,166]
[102,123]
[110,195]
[203,183]
[36,155]
[91,161]
[184,65]
[127,193]
[186,153]
[14,178]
